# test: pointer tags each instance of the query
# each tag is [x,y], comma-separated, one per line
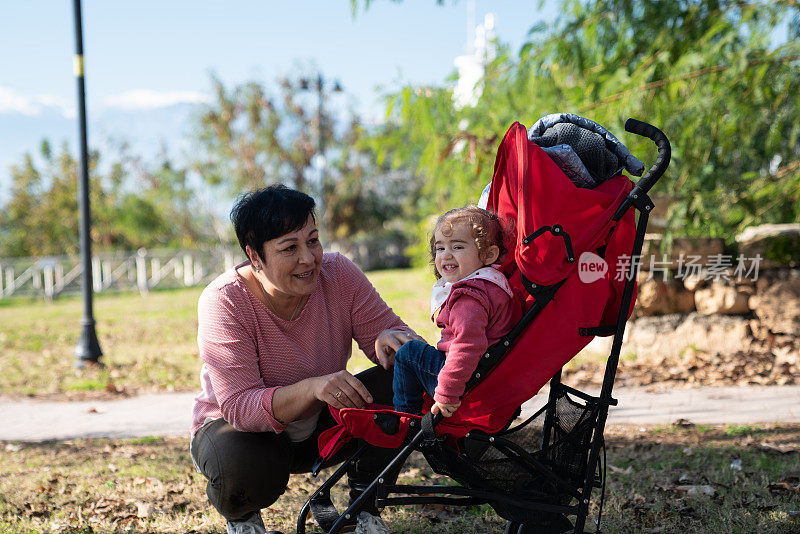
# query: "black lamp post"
[88,347]
[319,85]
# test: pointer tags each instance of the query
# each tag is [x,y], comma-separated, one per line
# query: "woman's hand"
[446,409]
[388,342]
[342,390]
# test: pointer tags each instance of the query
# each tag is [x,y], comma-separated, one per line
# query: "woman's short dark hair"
[267,213]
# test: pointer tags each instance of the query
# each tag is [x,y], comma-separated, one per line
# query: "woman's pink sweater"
[248,352]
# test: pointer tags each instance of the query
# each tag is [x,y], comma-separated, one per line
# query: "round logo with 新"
[591,267]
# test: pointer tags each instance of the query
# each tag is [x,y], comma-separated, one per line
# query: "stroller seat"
[537,473]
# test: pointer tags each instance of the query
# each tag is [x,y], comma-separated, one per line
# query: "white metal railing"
[141,270]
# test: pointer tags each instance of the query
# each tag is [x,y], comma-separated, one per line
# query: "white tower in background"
[484,39]
[472,65]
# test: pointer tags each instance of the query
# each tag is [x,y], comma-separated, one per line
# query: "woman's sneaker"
[370,524]
[251,524]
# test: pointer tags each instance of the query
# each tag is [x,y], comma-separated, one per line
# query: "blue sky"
[169,48]
[145,57]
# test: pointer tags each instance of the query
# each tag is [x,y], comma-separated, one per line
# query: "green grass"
[148,342]
[148,485]
[87,384]
[408,292]
[742,502]
[743,430]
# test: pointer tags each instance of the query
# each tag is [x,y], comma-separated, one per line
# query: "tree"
[707,74]
[250,138]
[247,139]
[133,206]
[704,71]
[25,190]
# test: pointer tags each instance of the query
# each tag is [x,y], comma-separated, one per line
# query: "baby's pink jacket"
[476,314]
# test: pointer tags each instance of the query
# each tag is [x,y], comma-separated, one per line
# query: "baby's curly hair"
[486,227]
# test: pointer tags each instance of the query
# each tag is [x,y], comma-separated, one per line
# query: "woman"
[274,335]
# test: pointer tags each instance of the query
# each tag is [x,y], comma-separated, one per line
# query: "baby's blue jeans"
[416,371]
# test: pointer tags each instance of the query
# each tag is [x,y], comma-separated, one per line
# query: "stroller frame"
[575,489]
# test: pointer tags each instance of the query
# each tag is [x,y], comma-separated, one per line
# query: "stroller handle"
[664,152]
[653,173]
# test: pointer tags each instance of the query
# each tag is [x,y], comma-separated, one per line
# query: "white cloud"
[143,99]
[12,101]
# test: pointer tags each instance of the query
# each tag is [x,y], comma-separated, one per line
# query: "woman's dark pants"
[248,471]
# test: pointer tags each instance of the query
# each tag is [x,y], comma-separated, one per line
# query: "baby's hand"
[446,409]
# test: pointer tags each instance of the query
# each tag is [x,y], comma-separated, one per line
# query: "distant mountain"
[20,133]
[146,131]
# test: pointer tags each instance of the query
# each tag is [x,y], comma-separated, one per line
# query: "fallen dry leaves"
[790,484]
[693,368]
[782,448]
[70,486]
[88,486]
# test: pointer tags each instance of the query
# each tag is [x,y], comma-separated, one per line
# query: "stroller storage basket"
[543,459]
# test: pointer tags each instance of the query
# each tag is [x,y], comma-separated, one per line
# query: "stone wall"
[715,317]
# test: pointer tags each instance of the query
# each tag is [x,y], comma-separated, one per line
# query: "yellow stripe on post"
[77,65]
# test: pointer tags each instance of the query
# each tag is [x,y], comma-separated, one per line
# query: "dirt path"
[169,414]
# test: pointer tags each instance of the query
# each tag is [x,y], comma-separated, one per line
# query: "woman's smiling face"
[292,261]
[456,255]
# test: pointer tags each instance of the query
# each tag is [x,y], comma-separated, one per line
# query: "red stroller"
[539,474]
